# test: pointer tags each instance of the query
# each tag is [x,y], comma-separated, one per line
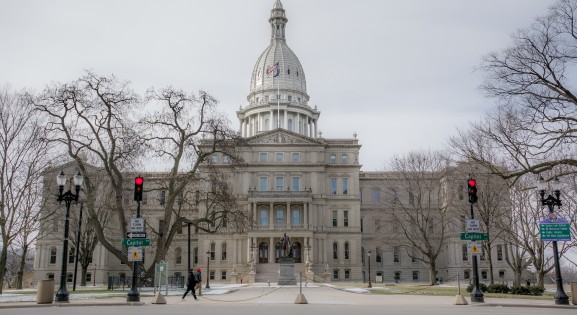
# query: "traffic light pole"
[476,293]
[134,295]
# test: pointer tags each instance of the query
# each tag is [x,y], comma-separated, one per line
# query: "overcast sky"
[401,74]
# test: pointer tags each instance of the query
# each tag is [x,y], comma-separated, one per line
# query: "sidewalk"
[261,293]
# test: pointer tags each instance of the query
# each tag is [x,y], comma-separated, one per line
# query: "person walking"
[190,285]
[198,277]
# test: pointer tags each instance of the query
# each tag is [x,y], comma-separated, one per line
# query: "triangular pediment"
[282,137]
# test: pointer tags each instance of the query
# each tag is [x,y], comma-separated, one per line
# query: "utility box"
[45,292]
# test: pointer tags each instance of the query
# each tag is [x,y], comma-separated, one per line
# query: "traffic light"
[138,183]
[472,184]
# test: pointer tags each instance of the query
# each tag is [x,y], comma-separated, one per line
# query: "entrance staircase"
[269,272]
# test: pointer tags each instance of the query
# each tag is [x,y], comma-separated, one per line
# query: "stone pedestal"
[234,278]
[287,271]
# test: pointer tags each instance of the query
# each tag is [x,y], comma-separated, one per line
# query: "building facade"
[295,182]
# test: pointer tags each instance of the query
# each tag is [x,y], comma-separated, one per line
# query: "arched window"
[263,252]
[347,250]
[52,255]
[178,255]
[378,255]
[223,252]
[335,250]
[212,251]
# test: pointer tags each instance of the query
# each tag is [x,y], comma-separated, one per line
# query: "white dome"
[278,68]
[278,90]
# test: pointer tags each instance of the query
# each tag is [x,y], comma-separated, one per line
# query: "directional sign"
[554,229]
[475,248]
[137,225]
[474,236]
[127,242]
[473,225]
[134,253]
[136,235]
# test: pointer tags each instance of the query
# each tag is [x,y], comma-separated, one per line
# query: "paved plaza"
[264,299]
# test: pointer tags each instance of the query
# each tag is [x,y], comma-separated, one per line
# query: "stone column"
[288,216]
[306,215]
[271,250]
[271,219]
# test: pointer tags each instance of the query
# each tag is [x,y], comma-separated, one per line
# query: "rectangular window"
[333,186]
[223,275]
[347,250]
[223,252]
[225,159]
[396,254]
[69,277]
[263,185]
[499,252]
[296,157]
[346,218]
[50,276]
[211,275]
[333,159]
[279,217]
[347,274]
[279,183]
[344,159]
[71,255]
[88,277]
[279,157]
[296,217]
[334,219]
[296,184]
[376,196]
[345,186]
[415,275]
[162,198]
[378,256]
[484,274]
[263,157]
[290,98]
[464,252]
[263,217]
[502,274]
[336,274]
[214,158]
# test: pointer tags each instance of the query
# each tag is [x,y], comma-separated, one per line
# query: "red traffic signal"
[472,190]
[138,183]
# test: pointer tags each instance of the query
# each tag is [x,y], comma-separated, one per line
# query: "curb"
[26,305]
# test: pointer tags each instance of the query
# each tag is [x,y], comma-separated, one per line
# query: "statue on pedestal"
[285,245]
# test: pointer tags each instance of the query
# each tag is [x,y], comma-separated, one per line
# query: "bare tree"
[176,134]
[534,127]
[417,208]
[23,155]
[491,208]
[95,118]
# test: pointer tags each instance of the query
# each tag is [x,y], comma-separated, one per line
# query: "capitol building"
[306,185]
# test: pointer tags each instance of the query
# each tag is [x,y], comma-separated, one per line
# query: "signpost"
[134,253]
[475,248]
[473,225]
[555,229]
[128,242]
[473,236]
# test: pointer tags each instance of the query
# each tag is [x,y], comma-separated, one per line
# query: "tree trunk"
[3,259]
[490,260]
[83,275]
[540,274]
[432,272]
[517,280]
[21,267]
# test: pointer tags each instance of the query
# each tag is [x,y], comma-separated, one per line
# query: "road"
[280,301]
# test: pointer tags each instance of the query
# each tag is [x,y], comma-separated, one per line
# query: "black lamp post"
[77,250]
[68,198]
[369,258]
[551,202]
[208,269]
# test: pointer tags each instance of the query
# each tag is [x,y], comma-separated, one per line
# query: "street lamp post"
[551,202]
[207,269]
[369,258]
[68,198]
[77,250]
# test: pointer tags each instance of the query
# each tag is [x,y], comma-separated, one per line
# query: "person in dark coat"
[190,284]
[198,277]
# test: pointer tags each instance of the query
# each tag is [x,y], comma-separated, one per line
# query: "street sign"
[473,225]
[473,236]
[475,248]
[136,234]
[555,229]
[134,253]
[127,242]
[137,225]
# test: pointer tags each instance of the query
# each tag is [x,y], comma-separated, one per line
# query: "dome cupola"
[278,94]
